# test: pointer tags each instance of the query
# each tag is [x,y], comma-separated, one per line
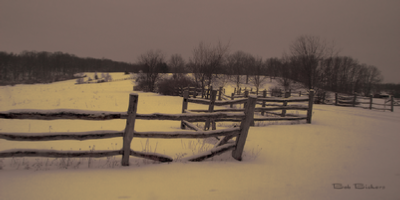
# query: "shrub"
[106,77]
[80,81]
[141,83]
[167,86]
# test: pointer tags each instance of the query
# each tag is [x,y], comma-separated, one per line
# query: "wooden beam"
[310,106]
[187,134]
[151,156]
[129,128]
[281,108]
[90,135]
[184,105]
[279,118]
[244,127]
[211,153]
[191,126]
[211,109]
[62,114]
[188,116]
[57,154]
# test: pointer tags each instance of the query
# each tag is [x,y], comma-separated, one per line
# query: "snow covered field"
[346,153]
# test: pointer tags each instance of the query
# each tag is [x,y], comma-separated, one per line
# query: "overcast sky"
[368,31]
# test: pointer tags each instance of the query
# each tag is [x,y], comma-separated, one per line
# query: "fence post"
[336,98]
[195,92]
[310,105]
[370,102]
[240,91]
[184,105]
[209,91]
[391,103]
[263,102]
[354,99]
[287,95]
[300,94]
[232,97]
[234,91]
[244,128]
[284,110]
[211,108]
[182,91]
[246,94]
[129,129]
[220,93]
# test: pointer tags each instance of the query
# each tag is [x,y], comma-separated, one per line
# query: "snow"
[282,160]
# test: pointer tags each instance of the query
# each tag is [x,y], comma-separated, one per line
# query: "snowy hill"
[346,153]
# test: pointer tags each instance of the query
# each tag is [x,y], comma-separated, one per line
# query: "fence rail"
[129,133]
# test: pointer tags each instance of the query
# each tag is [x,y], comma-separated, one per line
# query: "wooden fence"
[197,91]
[359,101]
[193,91]
[273,92]
[396,101]
[129,133]
[102,80]
[261,100]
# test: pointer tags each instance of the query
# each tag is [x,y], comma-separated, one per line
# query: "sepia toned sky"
[367,30]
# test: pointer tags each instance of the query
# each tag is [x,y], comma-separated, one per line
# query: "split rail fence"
[196,91]
[359,101]
[267,106]
[129,132]
[273,92]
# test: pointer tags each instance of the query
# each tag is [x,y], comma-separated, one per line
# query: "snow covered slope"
[342,151]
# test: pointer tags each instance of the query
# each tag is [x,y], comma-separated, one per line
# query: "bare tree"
[177,65]
[236,63]
[285,71]
[258,71]
[373,78]
[309,51]
[206,61]
[273,66]
[153,63]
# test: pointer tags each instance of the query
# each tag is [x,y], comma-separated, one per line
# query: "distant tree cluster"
[311,61]
[315,64]
[45,67]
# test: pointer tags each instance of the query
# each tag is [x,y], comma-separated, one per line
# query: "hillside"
[344,146]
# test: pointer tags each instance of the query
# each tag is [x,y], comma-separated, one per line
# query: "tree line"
[310,61]
[46,67]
